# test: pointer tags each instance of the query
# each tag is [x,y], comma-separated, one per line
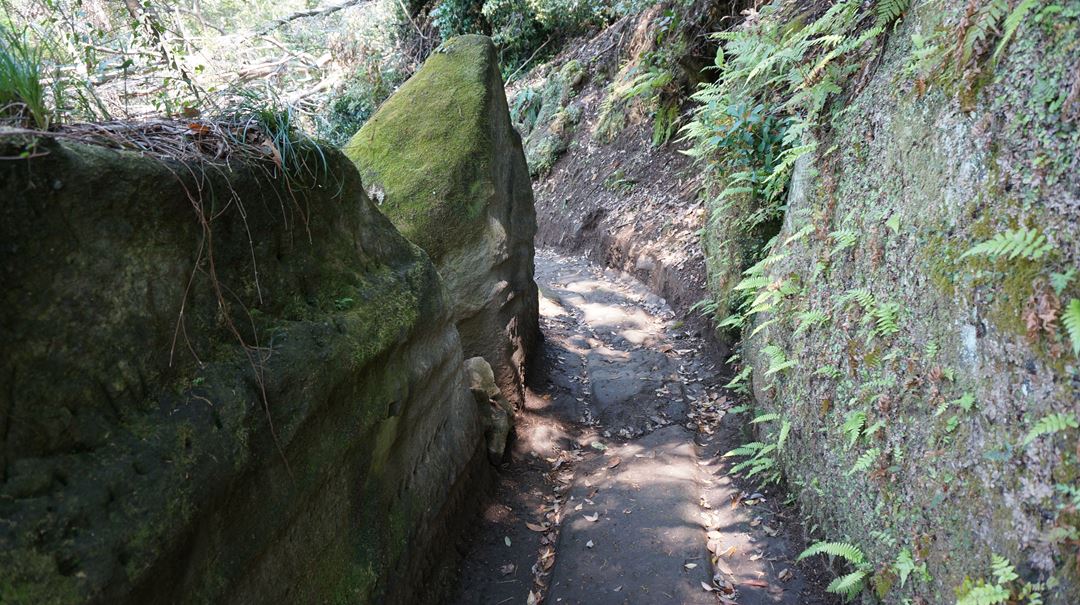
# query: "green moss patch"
[428,149]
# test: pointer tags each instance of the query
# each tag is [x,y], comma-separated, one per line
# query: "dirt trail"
[615,492]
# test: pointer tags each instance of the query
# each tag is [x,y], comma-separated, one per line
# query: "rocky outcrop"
[496,413]
[216,386]
[928,390]
[445,164]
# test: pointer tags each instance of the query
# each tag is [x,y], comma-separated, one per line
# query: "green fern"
[865,461]
[890,10]
[785,430]
[844,238]
[765,418]
[778,362]
[738,383]
[1052,423]
[853,426]
[808,320]
[1070,318]
[1023,243]
[853,554]
[886,316]
[1060,281]
[1012,23]
[860,295]
[850,585]
[985,594]
[828,371]
[1003,571]
[982,27]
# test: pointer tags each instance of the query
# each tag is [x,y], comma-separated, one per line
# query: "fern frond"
[1060,281]
[1070,318]
[865,461]
[738,383]
[785,430]
[778,361]
[886,317]
[754,282]
[853,426]
[765,418]
[849,585]
[844,238]
[1025,243]
[809,319]
[1052,423]
[983,26]
[1012,23]
[850,552]
[984,595]
[890,10]
[864,297]
[801,233]
[748,449]
[1003,571]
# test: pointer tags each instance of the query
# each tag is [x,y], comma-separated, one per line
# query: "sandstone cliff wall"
[149,457]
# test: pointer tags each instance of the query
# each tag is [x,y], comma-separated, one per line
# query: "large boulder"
[445,164]
[149,456]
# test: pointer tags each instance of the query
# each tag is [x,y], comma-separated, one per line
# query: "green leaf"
[865,461]
[1052,423]
[844,550]
[1023,243]
[1071,320]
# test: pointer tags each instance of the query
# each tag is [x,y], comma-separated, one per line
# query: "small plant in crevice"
[1022,243]
[1005,587]
[1050,424]
[760,457]
[848,585]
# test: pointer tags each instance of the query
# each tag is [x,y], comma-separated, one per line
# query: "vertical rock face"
[930,395]
[149,457]
[444,163]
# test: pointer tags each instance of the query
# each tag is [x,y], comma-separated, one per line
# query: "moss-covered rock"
[932,347]
[450,172]
[268,406]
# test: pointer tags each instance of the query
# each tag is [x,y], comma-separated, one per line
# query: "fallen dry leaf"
[507,569]
[537,528]
[594,517]
[757,583]
[707,587]
[785,575]
[614,462]
[589,544]
[690,565]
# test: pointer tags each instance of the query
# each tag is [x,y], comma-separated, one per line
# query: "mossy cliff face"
[145,460]
[954,387]
[449,170]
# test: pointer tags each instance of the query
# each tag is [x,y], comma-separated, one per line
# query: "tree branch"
[315,12]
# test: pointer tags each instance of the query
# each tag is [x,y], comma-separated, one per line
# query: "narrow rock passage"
[616,491]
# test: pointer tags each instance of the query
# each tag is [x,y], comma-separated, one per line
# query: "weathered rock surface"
[496,413]
[148,458]
[448,169]
[953,360]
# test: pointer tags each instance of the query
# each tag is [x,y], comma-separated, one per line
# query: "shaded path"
[614,492]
